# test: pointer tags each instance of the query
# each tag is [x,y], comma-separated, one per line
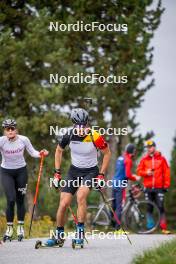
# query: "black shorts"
[77,177]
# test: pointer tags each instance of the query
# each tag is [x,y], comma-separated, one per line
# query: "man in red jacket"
[154,169]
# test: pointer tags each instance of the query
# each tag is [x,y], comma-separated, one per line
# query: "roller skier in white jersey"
[14,174]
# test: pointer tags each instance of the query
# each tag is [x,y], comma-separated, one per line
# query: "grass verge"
[164,254]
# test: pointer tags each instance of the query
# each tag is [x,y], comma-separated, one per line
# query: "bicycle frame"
[102,206]
[130,199]
[131,202]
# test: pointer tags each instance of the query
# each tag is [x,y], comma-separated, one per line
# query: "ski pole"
[36,191]
[114,214]
[73,215]
[75,220]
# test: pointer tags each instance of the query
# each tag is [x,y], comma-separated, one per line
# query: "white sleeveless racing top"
[83,149]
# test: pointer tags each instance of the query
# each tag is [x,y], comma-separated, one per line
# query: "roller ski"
[57,241]
[51,242]
[8,234]
[20,232]
[78,242]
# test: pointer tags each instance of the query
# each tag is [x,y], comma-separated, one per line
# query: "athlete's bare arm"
[107,155]
[58,157]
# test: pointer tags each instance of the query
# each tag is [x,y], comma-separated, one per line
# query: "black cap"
[130,148]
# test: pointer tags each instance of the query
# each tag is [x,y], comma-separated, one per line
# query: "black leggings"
[14,182]
[156,196]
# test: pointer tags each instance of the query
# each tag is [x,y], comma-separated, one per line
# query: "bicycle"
[134,213]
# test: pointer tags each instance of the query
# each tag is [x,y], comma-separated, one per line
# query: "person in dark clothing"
[123,173]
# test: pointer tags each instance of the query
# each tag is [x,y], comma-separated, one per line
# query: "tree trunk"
[116,144]
[110,172]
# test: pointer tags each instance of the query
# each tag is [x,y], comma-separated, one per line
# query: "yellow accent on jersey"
[95,136]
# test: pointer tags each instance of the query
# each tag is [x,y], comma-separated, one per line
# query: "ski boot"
[78,241]
[120,232]
[9,233]
[150,222]
[166,232]
[20,231]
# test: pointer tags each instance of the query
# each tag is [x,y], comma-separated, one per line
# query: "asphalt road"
[98,251]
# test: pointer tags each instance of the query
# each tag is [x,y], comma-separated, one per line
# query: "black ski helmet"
[79,116]
[130,148]
[9,123]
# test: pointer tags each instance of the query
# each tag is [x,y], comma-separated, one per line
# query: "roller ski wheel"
[8,234]
[38,244]
[50,243]
[7,238]
[20,232]
[20,238]
[77,243]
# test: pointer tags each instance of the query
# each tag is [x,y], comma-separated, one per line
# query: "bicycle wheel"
[136,217]
[97,217]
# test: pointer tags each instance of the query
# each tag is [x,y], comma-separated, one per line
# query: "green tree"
[123,54]
[30,52]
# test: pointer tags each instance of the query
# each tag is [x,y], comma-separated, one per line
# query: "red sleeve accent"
[128,168]
[166,174]
[101,143]
[141,170]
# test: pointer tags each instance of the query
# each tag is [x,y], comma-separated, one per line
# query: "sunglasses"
[10,128]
